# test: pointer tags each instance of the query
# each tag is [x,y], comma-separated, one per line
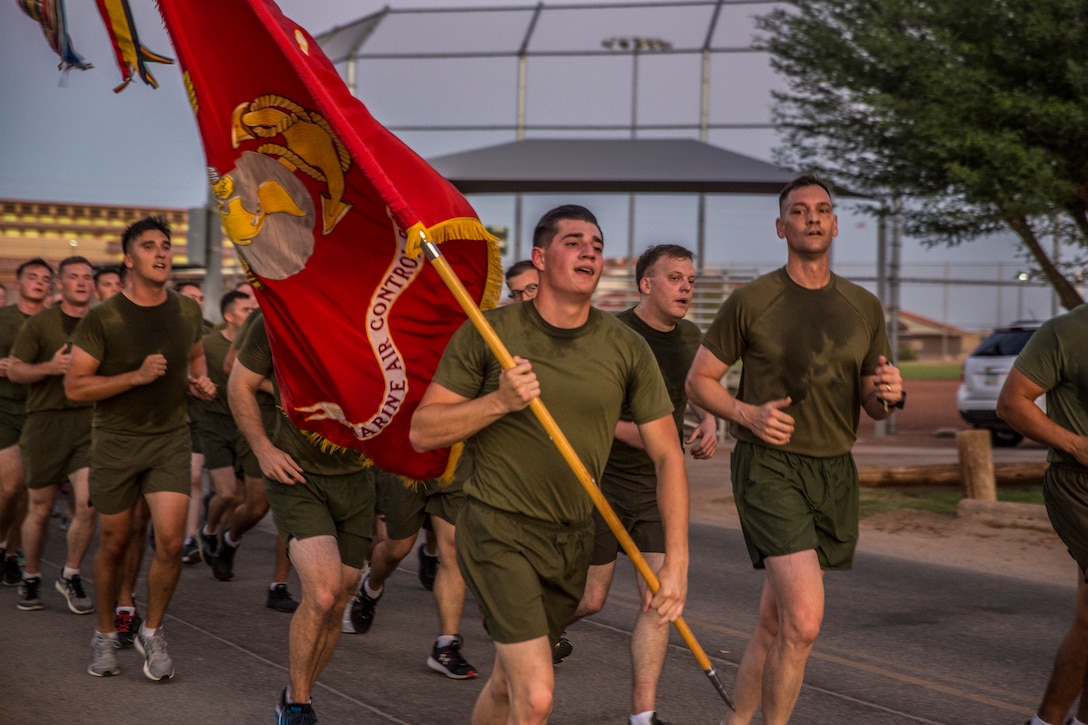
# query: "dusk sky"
[68,137]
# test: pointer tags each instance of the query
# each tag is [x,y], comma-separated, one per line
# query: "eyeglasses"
[519,294]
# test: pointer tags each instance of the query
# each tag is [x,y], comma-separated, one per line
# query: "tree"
[976,114]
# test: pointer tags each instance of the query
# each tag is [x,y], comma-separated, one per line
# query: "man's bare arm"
[705,389]
[444,417]
[663,447]
[21,371]
[242,386]
[1016,406]
[83,384]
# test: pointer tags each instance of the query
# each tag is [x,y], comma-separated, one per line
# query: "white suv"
[984,373]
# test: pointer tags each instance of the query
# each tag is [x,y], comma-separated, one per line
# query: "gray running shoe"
[157,663]
[29,598]
[72,589]
[103,655]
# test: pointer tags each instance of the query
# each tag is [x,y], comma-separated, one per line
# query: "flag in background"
[51,15]
[132,56]
[326,207]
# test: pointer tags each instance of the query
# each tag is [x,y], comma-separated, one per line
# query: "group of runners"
[98,395]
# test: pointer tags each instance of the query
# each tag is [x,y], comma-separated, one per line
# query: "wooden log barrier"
[1005,474]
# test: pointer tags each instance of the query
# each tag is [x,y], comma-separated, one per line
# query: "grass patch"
[939,500]
[930,371]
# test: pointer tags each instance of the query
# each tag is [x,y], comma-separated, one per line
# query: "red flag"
[326,207]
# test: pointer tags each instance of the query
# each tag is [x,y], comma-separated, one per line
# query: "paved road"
[903,643]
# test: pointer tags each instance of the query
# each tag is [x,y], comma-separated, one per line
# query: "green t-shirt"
[256,355]
[813,346]
[1056,359]
[11,320]
[266,401]
[215,354]
[119,334]
[674,350]
[38,341]
[587,376]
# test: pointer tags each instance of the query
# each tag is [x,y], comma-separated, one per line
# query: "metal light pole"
[636,45]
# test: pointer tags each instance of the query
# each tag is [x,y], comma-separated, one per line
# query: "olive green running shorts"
[526,575]
[126,467]
[55,444]
[405,508]
[219,441]
[634,499]
[1065,493]
[338,506]
[789,503]
[12,420]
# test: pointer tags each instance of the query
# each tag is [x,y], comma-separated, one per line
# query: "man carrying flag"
[526,532]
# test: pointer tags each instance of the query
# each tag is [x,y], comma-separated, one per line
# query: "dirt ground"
[927,423]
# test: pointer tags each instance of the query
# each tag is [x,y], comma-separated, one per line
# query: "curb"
[1030,516]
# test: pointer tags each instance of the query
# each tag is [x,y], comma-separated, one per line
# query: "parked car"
[984,373]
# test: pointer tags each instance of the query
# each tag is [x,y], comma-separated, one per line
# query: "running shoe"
[103,655]
[127,625]
[655,720]
[428,568]
[363,608]
[157,663]
[190,552]
[281,600]
[449,662]
[72,589]
[29,594]
[291,713]
[223,563]
[208,544]
[13,573]
[561,650]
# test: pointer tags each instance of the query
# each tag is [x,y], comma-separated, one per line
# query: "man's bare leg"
[81,529]
[521,686]
[168,511]
[196,494]
[1070,665]
[449,587]
[327,585]
[109,565]
[134,555]
[36,526]
[796,582]
[649,645]
[13,498]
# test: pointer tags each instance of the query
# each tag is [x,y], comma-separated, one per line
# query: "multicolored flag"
[53,18]
[132,56]
[327,208]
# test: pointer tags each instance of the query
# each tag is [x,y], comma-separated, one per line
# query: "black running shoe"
[190,552]
[223,563]
[561,650]
[428,568]
[127,626]
[13,573]
[363,608]
[291,713]
[281,600]
[30,597]
[449,662]
[208,544]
